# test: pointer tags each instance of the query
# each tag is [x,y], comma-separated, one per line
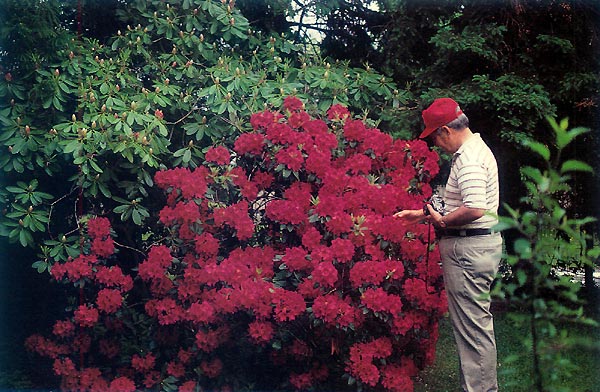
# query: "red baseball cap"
[439,113]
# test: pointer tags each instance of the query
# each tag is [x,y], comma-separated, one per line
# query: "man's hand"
[410,216]
[435,217]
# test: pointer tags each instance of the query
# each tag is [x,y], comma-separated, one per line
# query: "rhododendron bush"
[282,268]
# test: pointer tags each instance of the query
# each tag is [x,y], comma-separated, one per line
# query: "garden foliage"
[86,123]
[549,245]
[281,267]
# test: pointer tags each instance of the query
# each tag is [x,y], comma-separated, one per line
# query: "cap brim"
[427,132]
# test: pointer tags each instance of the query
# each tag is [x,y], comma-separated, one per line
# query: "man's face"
[440,138]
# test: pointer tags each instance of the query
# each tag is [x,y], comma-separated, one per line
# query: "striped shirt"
[473,181]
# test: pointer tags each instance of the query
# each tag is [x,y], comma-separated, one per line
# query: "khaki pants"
[470,265]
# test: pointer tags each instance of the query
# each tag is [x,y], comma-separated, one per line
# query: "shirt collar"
[472,140]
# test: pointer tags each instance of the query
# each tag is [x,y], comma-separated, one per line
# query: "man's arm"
[459,217]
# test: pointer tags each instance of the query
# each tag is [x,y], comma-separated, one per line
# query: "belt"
[462,232]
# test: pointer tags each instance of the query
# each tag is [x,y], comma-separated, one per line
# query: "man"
[470,251]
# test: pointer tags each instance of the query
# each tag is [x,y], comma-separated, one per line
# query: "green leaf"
[564,138]
[25,237]
[539,148]
[575,165]
[523,248]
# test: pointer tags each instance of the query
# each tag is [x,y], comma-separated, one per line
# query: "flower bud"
[119,33]
[71,55]
[117,87]
[73,117]
[191,143]
[150,151]
[201,37]
[94,124]
[63,238]
[27,130]
[8,77]
[56,72]
[18,120]
[167,81]
[103,108]
[232,21]
[30,209]
[203,120]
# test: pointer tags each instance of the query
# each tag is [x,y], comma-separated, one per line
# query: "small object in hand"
[438,204]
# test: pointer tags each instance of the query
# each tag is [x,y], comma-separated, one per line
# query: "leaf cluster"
[90,121]
[550,243]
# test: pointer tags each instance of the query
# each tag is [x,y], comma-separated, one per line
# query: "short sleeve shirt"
[473,181]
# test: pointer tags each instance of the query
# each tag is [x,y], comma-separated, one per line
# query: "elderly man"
[469,249]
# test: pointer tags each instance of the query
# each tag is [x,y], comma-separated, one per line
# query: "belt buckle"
[462,232]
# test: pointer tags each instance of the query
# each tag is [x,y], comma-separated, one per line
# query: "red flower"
[262,119]
[378,300]
[293,104]
[63,328]
[355,130]
[86,316]
[122,384]
[143,364]
[219,155]
[338,112]
[98,227]
[249,143]
[175,369]
[103,248]
[342,249]
[212,369]
[296,259]
[188,386]
[260,331]
[325,274]
[64,367]
[288,305]
[109,300]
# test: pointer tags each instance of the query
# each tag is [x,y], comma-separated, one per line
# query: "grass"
[515,359]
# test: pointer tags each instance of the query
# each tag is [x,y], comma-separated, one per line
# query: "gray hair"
[461,122]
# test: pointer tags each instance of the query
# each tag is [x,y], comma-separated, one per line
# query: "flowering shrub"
[283,268]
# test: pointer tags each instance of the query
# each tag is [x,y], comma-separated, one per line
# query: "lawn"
[514,374]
